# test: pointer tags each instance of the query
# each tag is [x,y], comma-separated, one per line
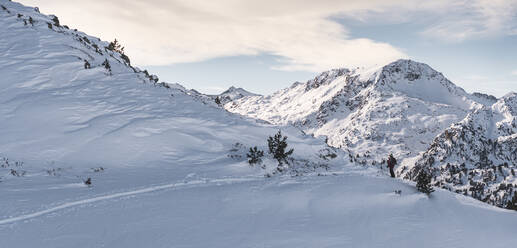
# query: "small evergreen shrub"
[237,151]
[55,20]
[125,58]
[97,48]
[107,65]
[115,46]
[18,173]
[255,156]
[54,172]
[327,154]
[423,182]
[277,147]
[85,39]
[6,163]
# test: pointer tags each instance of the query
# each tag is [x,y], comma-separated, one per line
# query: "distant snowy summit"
[69,95]
[402,105]
[232,94]
[411,110]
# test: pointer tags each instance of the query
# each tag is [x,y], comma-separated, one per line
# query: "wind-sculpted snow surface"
[167,166]
[398,108]
[341,210]
[70,99]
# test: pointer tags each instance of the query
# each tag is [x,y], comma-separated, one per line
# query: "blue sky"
[483,64]
[266,45]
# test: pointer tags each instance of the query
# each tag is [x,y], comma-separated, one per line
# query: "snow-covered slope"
[408,109]
[477,156]
[167,165]
[62,104]
[344,210]
[398,108]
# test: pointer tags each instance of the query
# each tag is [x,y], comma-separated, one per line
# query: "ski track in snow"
[205,182]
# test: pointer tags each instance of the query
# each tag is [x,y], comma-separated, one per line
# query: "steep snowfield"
[56,111]
[398,108]
[166,170]
[66,122]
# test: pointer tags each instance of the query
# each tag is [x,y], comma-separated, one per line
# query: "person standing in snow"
[391,164]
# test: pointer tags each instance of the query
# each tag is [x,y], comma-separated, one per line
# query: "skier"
[391,164]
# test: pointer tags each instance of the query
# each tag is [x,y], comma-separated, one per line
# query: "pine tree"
[115,46]
[277,147]
[423,182]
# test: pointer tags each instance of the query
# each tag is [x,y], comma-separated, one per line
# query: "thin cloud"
[160,32]
[303,33]
[475,19]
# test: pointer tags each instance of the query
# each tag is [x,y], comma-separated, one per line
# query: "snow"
[55,110]
[397,108]
[342,210]
[158,157]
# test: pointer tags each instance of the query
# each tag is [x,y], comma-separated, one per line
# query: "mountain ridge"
[338,98]
[408,109]
[88,99]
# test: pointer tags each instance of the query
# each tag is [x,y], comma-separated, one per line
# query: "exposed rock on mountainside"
[398,108]
[477,156]
[469,141]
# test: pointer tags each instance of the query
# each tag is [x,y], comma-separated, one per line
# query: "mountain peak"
[231,94]
[325,77]
[237,91]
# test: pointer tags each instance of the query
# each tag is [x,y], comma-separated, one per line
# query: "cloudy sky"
[265,45]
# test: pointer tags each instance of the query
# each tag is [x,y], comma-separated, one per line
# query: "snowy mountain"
[398,108]
[232,94]
[71,99]
[408,109]
[167,166]
[477,156]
